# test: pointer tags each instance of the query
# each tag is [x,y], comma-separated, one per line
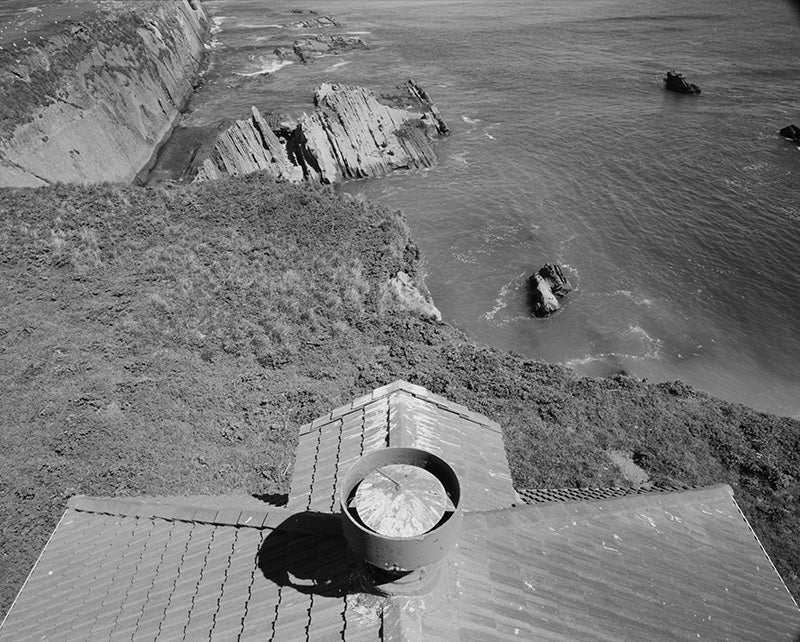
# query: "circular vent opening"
[400,508]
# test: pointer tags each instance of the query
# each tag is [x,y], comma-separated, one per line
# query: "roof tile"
[643,566]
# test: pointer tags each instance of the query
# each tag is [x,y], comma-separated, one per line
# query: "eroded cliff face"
[93,101]
[351,134]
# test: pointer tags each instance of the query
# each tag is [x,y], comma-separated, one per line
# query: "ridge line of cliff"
[93,100]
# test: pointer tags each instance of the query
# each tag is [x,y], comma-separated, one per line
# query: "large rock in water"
[792,132]
[674,81]
[546,287]
[350,134]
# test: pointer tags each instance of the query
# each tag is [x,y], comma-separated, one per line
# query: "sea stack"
[674,81]
[792,132]
[546,287]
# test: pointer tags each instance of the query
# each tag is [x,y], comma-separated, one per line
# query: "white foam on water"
[502,299]
[256,26]
[268,67]
[651,345]
[460,159]
[638,300]
[338,64]
[218,23]
[466,257]
[470,121]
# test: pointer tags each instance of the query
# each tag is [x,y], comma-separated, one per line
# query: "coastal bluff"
[90,100]
[350,134]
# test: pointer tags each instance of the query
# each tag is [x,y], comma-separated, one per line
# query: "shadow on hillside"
[276,499]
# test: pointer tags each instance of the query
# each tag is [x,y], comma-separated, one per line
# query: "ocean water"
[677,218]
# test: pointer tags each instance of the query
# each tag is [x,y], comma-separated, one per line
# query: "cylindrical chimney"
[401,512]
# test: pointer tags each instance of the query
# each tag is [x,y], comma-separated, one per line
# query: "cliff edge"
[92,101]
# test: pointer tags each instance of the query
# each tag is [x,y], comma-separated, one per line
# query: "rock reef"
[350,134]
[674,81]
[792,132]
[546,287]
[93,100]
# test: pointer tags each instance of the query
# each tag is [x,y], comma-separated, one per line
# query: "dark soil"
[172,340]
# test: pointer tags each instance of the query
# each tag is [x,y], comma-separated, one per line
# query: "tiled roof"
[143,570]
[402,414]
[568,565]
[681,565]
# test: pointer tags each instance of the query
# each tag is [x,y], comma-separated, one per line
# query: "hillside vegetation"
[172,340]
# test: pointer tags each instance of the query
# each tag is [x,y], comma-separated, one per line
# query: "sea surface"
[676,217]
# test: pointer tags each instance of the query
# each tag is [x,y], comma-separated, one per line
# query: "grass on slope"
[166,341]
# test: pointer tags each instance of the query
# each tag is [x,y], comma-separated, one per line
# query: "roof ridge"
[589,493]
[269,517]
[400,385]
[613,505]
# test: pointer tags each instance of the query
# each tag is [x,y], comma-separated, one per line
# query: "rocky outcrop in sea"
[93,99]
[792,132]
[351,134]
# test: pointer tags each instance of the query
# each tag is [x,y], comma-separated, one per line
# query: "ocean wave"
[336,65]
[269,66]
[502,299]
[470,121]
[616,359]
[465,257]
[572,272]
[255,26]
[638,300]
[217,27]
[651,346]
[460,159]
[637,346]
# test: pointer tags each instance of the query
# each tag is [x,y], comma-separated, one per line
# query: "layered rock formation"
[92,101]
[307,50]
[313,21]
[249,146]
[351,134]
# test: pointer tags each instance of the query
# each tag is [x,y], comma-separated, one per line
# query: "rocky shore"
[350,134]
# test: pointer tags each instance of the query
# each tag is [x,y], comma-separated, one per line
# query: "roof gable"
[402,414]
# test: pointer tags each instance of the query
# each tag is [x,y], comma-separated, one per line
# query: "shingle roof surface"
[681,565]
[571,565]
[402,414]
[118,569]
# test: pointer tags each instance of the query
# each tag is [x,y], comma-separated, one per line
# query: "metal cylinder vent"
[401,508]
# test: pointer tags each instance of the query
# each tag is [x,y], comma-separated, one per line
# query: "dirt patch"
[624,461]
